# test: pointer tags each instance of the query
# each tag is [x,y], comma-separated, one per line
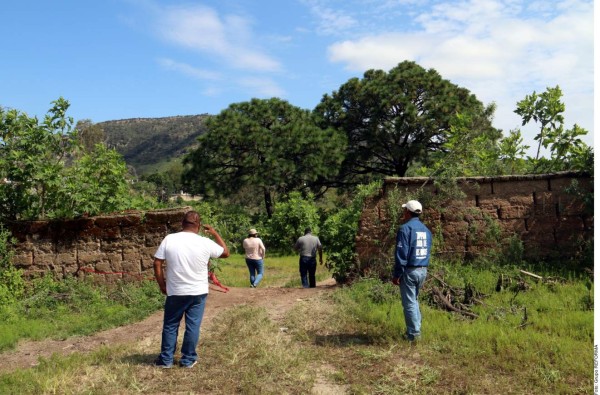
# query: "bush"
[12,284]
[339,234]
[231,221]
[289,220]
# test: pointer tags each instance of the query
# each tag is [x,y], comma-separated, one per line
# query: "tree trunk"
[268,202]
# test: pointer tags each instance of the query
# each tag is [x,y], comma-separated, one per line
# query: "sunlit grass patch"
[279,271]
[59,309]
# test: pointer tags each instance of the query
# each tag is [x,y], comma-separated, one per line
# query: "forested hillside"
[145,143]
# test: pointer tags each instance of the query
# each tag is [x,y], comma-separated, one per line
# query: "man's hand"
[208,229]
[396,281]
[218,239]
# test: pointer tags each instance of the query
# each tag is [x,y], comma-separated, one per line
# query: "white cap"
[413,206]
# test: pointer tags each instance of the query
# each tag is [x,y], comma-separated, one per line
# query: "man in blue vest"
[413,249]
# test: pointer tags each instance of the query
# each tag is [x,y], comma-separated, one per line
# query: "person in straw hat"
[255,255]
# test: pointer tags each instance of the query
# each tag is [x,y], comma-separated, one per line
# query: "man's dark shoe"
[410,338]
[160,364]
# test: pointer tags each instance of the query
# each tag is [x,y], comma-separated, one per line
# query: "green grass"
[350,339]
[541,338]
[279,271]
[59,309]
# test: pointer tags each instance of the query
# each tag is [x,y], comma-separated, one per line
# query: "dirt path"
[277,301]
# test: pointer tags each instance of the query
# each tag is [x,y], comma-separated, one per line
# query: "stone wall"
[537,209]
[550,222]
[105,247]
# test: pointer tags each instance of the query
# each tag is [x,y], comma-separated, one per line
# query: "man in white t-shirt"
[186,255]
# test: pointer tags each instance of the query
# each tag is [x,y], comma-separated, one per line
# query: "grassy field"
[279,271]
[530,337]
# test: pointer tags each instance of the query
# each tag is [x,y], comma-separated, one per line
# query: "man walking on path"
[187,256]
[307,246]
[413,249]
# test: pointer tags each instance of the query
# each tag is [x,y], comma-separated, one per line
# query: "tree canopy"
[266,147]
[44,174]
[395,119]
[567,150]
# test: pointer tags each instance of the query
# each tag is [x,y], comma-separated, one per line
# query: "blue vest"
[413,246]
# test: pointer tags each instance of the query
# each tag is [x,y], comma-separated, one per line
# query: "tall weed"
[12,284]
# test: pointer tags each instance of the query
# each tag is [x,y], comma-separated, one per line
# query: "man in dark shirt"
[413,249]
[307,246]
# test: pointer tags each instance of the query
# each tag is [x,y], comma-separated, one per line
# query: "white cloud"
[330,20]
[188,70]
[499,50]
[229,38]
[261,87]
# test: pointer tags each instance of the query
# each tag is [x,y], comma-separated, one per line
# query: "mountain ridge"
[147,143]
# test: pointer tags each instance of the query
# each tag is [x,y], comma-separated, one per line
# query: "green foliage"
[567,150]
[231,221]
[470,149]
[291,216]
[263,148]
[44,175]
[89,134]
[31,160]
[339,234]
[519,334]
[512,153]
[167,182]
[147,144]
[398,118]
[96,183]
[50,308]
[12,284]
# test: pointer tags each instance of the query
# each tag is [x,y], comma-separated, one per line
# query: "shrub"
[339,234]
[12,284]
[289,220]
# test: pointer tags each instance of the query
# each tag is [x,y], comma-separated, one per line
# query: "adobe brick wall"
[537,208]
[122,246]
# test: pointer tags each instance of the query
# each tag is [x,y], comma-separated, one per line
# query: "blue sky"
[118,59]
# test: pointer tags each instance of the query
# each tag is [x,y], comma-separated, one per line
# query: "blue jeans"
[256,269]
[176,306]
[411,283]
[308,268]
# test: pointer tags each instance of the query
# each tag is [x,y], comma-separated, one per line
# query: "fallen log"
[436,291]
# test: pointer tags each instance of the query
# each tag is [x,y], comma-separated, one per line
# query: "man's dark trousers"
[308,268]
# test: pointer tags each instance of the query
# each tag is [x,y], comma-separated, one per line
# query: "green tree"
[43,173]
[466,151]
[89,134]
[96,183]
[292,215]
[32,157]
[567,150]
[399,118]
[512,153]
[339,235]
[269,146]
[12,284]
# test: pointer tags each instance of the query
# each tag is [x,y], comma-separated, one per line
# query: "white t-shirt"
[187,255]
